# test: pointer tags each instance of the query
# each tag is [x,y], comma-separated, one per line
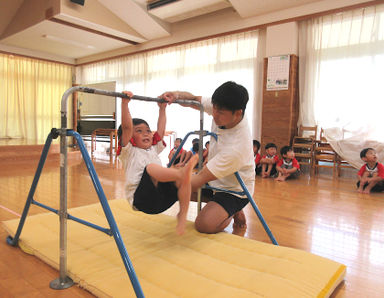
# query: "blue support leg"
[52,135]
[108,213]
[259,215]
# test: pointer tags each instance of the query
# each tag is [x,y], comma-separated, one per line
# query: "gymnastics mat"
[168,265]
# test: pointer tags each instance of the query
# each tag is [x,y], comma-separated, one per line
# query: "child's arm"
[374,179]
[171,96]
[279,169]
[171,154]
[183,156]
[126,120]
[292,170]
[161,121]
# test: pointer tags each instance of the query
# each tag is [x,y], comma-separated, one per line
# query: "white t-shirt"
[134,161]
[232,152]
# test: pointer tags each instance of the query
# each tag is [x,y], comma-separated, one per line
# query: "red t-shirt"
[257,159]
[380,170]
[295,163]
[174,150]
[275,157]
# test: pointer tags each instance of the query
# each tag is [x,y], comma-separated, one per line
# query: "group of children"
[269,165]
[184,156]
[370,175]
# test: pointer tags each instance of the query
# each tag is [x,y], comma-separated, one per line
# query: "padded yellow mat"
[167,265]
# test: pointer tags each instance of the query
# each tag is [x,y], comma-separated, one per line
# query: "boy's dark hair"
[206,143]
[257,144]
[364,152]
[284,150]
[230,96]
[137,121]
[195,147]
[178,139]
[195,140]
[270,145]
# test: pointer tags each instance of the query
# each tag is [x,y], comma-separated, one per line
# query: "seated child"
[257,156]
[371,175]
[287,166]
[150,187]
[180,159]
[192,152]
[269,160]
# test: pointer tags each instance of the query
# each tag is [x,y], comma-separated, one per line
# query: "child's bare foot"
[184,194]
[280,178]
[265,175]
[239,220]
[366,191]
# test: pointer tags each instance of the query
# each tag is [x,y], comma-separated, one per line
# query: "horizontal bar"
[45,206]
[89,224]
[74,218]
[118,94]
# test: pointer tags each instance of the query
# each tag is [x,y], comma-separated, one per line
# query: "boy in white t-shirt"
[150,187]
[232,152]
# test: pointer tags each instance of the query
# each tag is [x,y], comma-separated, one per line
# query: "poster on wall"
[278,73]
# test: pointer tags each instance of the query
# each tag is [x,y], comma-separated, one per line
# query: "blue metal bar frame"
[74,218]
[108,213]
[244,192]
[113,231]
[52,135]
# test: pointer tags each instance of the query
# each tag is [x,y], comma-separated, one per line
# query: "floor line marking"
[10,211]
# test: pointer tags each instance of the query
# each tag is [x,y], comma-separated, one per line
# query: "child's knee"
[203,225]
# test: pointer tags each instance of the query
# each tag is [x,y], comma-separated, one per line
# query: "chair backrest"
[308,131]
[323,139]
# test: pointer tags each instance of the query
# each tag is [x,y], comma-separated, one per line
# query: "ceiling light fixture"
[68,42]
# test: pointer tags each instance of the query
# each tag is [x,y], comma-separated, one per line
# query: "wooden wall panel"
[280,109]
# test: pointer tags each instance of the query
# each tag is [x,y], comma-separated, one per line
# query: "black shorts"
[231,203]
[151,199]
[258,169]
[379,187]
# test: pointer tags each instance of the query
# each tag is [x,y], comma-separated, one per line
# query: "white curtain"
[30,96]
[198,67]
[341,74]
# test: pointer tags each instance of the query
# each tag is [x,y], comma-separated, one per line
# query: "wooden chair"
[304,144]
[341,164]
[324,155]
[112,133]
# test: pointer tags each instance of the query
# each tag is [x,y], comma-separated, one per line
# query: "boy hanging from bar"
[150,187]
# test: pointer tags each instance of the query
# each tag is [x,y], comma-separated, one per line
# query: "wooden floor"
[320,215]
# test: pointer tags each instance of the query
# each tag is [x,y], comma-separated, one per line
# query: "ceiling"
[67,29]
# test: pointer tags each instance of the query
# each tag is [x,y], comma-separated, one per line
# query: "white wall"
[282,39]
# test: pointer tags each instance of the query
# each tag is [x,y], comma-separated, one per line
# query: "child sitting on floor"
[257,156]
[180,160]
[150,187]
[287,166]
[269,160]
[371,175]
